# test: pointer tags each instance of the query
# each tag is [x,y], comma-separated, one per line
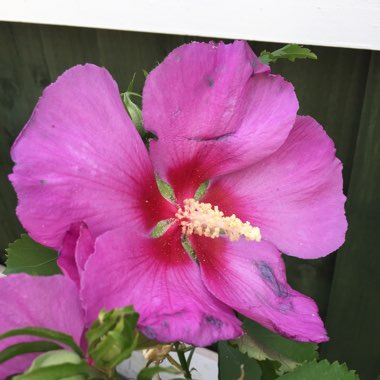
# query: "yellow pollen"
[205,220]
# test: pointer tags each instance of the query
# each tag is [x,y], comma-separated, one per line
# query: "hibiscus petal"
[250,278]
[79,158]
[27,301]
[295,196]
[215,109]
[77,247]
[163,284]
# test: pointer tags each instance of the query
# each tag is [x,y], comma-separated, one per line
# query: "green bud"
[113,337]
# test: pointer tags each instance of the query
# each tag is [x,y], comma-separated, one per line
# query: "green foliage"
[321,370]
[270,356]
[231,360]
[260,351]
[165,189]
[25,348]
[26,256]
[290,52]
[296,351]
[148,373]
[41,332]
[276,355]
[113,337]
[132,108]
[63,371]
[59,364]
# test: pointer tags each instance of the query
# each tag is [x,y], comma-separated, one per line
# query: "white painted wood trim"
[343,23]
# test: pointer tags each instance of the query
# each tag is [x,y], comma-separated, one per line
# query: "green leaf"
[296,351]
[321,370]
[290,52]
[230,361]
[67,340]
[57,372]
[261,352]
[275,354]
[25,348]
[26,256]
[148,373]
[113,337]
[165,189]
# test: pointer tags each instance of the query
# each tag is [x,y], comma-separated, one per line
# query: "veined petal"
[250,278]
[28,301]
[295,196]
[215,109]
[78,245]
[79,158]
[164,285]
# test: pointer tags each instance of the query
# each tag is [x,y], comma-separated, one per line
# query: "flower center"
[205,220]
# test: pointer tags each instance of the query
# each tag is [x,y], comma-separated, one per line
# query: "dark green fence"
[341,90]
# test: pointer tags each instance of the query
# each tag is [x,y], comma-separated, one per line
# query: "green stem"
[183,361]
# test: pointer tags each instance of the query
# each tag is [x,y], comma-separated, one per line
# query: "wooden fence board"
[353,316]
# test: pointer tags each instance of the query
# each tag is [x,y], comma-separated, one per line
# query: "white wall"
[345,23]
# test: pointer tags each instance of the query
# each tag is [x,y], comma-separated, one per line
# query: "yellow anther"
[205,220]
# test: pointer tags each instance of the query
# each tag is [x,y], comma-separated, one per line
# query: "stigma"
[203,219]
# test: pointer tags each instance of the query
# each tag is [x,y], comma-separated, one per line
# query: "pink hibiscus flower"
[86,186]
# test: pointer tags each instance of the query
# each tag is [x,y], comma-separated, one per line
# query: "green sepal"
[321,370]
[26,256]
[165,189]
[27,347]
[201,191]
[132,108]
[41,332]
[290,52]
[161,227]
[148,373]
[113,337]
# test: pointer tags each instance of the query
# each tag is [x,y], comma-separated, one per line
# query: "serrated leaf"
[26,256]
[41,332]
[321,370]
[290,52]
[57,372]
[165,189]
[148,373]
[27,347]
